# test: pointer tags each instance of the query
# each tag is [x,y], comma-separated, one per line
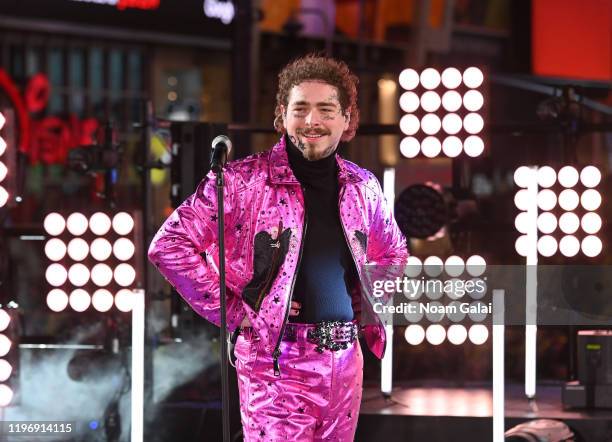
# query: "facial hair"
[309,151]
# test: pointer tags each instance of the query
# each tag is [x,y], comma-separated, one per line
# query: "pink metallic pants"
[316,397]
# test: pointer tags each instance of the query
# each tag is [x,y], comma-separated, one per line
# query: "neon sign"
[224,11]
[125,4]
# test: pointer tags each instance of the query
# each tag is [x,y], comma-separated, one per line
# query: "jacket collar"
[280,171]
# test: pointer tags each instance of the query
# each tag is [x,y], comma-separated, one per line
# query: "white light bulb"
[124,274]
[409,79]
[522,199]
[546,176]
[451,123]
[78,275]
[102,300]
[473,77]
[569,246]
[569,222]
[590,176]
[476,265]
[433,266]
[57,300]
[473,146]
[123,223]
[123,249]
[521,222]
[454,266]
[473,123]
[56,275]
[451,78]
[452,146]
[78,249]
[54,224]
[409,124]
[591,246]
[414,334]
[414,266]
[435,334]
[5,370]
[5,320]
[522,176]
[409,102]
[79,300]
[547,223]
[4,196]
[591,223]
[3,171]
[99,223]
[430,101]
[473,100]
[547,199]
[568,176]
[101,249]
[521,245]
[478,334]
[547,246]
[590,199]
[568,199]
[101,275]
[431,147]
[430,78]
[55,249]
[410,147]
[124,300]
[6,395]
[457,334]
[431,124]
[5,345]
[451,101]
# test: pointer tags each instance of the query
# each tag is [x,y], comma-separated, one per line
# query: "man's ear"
[283,115]
[347,120]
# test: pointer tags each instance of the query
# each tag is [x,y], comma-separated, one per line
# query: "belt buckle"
[325,335]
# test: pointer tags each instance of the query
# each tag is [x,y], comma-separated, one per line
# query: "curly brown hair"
[333,72]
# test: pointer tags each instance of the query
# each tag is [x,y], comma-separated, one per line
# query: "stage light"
[590,176]
[591,246]
[124,274]
[123,249]
[5,370]
[452,124]
[101,249]
[591,223]
[123,223]
[433,266]
[473,100]
[547,199]
[521,222]
[57,300]
[430,101]
[409,102]
[547,223]
[569,246]
[430,78]
[6,395]
[3,171]
[454,266]
[124,300]
[521,245]
[99,223]
[478,334]
[409,124]
[546,176]
[522,199]
[55,249]
[435,334]
[475,265]
[590,199]
[452,146]
[451,101]
[414,334]
[3,196]
[413,268]
[547,246]
[409,79]
[101,275]
[457,334]
[56,275]
[78,275]
[410,147]
[451,78]
[431,124]
[54,224]
[473,146]
[78,249]
[79,300]
[521,177]
[568,176]
[77,224]
[569,223]
[431,147]
[473,77]
[5,320]
[102,300]
[473,123]
[5,345]
[568,199]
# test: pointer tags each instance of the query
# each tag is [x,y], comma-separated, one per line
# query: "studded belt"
[328,335]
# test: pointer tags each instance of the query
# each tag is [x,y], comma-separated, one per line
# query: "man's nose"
[312,117]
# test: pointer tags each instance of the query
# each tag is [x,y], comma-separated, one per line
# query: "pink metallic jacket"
[264,226]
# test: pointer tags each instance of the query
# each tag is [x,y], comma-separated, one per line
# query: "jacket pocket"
[268,257]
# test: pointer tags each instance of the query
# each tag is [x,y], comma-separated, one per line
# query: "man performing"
[300,224]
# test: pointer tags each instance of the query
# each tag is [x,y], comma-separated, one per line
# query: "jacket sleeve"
[183,249]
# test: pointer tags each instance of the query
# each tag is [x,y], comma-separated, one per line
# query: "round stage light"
[522,199]
[409,124]
[101,275]
[590,176]
[568,199]
[56,275]
[409,102]
[547,223]
[454,266]
[78,249]
[473,146]
[591,223]
[451,123]
[431,147]
[5,320]
[522,176]
[4,196]
[547,246]
[123,223]
[102,300]
[413,268]
[591,246]
[2,146]
[5,345]
[473,100]
[435,334]
[78,275]
[433,266]
[430,78]
[124,274]
[54,224]
[476,265]
[57,300]
[547,199]
[99,223]
[451,78]
[473,123]
[101,249]
[80,300]
[521,245]
[480,288]
[431,124]
[414,334]
[569,246]
[55,249]
[473,77]
[409,79]
[452,146]
[546,176]
[410,147]
[590,199]
[123,249]
[477,311]
[451,101]
[6,395]
[478,334]
[430,101]
[568,176]
[3,171]
[124,300]
[5,370]
[521,222]
[435,314]
[77,224]
[569,223]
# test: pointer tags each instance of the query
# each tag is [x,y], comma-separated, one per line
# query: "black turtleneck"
[326,267]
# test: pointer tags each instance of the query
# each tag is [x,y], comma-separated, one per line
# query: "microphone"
[221,147]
